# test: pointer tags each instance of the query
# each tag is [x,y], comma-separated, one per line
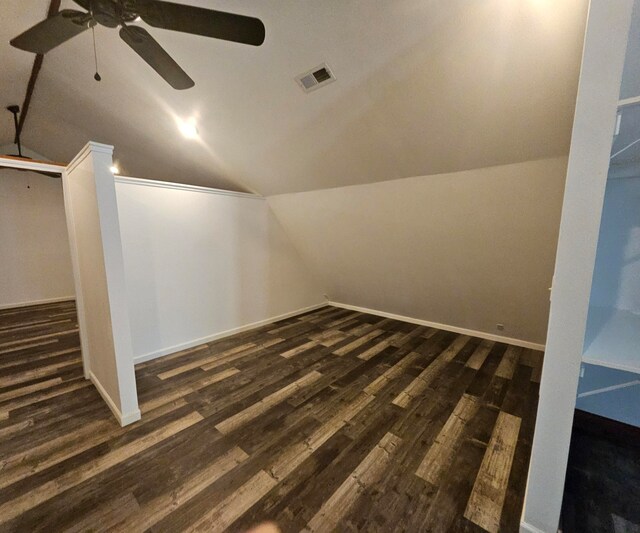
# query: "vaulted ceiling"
[423,87]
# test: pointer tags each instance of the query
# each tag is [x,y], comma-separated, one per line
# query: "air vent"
[315,78]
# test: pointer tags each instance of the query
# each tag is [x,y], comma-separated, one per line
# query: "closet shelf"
[613,339]
[624,102]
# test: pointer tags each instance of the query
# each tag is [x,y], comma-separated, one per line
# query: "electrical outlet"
[500,327]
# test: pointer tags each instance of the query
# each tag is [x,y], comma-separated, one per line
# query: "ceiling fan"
[68,23]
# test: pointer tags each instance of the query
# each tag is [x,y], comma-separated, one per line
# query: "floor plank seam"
[330,420]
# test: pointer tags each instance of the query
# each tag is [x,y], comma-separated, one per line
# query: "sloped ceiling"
[424,87]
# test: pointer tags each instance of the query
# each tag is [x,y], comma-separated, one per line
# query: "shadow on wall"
[615,300]
[261,266]
[617,268]
[285,264]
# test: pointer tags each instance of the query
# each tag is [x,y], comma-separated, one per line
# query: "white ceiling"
[424,87]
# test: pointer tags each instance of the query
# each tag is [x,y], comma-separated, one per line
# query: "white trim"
[183,187]
[77,285]
[31,165]
[215,336]
[91,146]
[446,327]
[124,420]
[528,528]
[130,418]
[38,302]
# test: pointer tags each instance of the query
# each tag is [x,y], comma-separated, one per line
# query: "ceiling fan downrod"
[15,109]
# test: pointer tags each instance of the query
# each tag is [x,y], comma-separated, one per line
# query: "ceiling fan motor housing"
[112,13]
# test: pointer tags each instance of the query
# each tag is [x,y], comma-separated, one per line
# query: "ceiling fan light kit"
[188,128]
[68,23]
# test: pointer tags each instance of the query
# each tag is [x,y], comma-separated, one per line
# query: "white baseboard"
[528,528]
[125,419]
[446,327]
[215,336]
[38,302]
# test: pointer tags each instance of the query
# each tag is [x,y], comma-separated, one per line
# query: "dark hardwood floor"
[330,421]
[602,491]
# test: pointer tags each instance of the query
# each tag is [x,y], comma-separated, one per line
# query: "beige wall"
[470,249]
[35,264]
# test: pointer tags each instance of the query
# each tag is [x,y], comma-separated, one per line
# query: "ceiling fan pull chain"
[95,53]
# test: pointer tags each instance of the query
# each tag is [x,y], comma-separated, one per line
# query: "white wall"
[470,249]
[200,264]
[96,252]
[35,264]
[593,128]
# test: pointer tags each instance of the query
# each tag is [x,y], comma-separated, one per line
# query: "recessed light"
[114,169]
[188,128]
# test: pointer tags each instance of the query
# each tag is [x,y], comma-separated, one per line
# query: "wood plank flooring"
[602,491]
[329,421]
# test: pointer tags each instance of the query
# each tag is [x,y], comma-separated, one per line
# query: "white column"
[98,269]
[595,115]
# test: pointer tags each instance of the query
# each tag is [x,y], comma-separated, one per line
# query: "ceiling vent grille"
[315,78]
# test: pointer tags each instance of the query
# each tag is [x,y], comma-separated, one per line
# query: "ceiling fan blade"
[85,4]
[52,32]
[158,59]
[201,21]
